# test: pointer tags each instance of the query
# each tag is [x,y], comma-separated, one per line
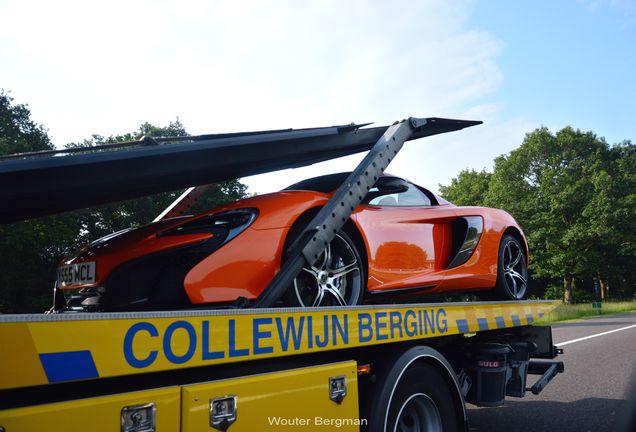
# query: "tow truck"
[378,367]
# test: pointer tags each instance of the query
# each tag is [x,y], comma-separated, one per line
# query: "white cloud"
[436,160]
[429,161]
[87,67]
[627,8]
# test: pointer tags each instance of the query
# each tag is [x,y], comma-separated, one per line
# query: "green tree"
[551,185]
[612,213]
[468,189]
[28,249]
[99,221]
[18,133]
[31,250]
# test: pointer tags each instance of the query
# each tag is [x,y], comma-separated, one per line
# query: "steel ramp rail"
[322,229]
[36,185]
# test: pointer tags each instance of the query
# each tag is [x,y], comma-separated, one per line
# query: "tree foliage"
[18,133]
[574,197]
[468,189]
[26,247]
[102,220]
[31,250]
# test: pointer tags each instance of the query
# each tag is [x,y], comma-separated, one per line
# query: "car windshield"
[412,196]
[324,184]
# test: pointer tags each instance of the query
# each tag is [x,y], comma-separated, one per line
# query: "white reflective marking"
[595,335]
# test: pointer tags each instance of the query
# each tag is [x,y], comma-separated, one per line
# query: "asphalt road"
[598,378]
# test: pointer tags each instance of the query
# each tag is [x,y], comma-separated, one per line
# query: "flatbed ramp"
[47,182]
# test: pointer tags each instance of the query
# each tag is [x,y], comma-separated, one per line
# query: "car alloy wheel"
[512,277]
[335,279]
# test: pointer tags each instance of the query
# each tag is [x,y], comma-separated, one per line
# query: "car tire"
[421,401]
[336,279]
[512,270]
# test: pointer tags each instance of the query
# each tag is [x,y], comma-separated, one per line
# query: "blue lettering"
[232,336]
[365,329]
[128,343]
[167,342]
[310,332]
[428,322]
[296,333]
[410,323]
[380,325]
[395,319]
[344,331]
[257,335]
[207,354]
[442,324]
[325,327]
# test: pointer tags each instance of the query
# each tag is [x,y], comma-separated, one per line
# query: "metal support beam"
[181,205]
[547,370]
[332,217]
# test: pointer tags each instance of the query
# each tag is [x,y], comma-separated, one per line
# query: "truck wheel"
[421,401]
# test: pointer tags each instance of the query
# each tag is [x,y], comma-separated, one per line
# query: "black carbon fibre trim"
[473,229]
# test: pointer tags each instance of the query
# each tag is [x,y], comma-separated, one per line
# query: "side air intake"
[470,228]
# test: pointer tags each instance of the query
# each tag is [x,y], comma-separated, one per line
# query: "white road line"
[594,335]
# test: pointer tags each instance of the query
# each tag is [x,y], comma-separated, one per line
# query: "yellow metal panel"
[80,347]
[19,362]
[94,414]
[282,401]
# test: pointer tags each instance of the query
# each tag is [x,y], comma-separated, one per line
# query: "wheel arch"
[397,368]
[350,228]
[516,233]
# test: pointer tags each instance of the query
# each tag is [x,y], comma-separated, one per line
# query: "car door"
[407,234]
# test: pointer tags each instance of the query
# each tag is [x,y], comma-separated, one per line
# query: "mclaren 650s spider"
[401,241]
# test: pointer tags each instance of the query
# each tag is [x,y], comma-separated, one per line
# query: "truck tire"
[420,401]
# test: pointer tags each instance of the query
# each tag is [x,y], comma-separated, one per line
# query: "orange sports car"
[402,240]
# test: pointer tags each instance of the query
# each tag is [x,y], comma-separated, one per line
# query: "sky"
[105,68]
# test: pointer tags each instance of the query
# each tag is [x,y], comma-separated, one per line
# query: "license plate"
[76,274]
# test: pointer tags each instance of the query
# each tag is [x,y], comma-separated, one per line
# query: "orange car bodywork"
[406,248]
[410,247]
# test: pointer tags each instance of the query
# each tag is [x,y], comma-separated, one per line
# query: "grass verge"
[565,312]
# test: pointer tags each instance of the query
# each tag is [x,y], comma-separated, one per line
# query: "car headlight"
[226,225]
